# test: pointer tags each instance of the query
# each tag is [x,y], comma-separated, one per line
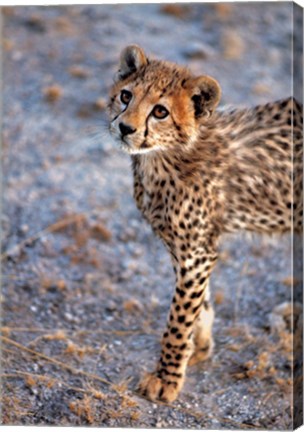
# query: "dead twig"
[55,362]
[78,332]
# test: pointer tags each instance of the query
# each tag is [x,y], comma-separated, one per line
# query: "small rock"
[71,318]
[100,232]
[132,306]
[290,281]
[79,71]
[7,44]
[17,55]
[178,11]
[137,251]
[198,50]
[223,10]
[111,307]
[36,24]
[100,104]
[52,93]
[261,88]
[233,45]
[64,25]
[219,297]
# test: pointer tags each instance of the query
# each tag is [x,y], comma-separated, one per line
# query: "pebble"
[127,235]
[17,55]
[71,318]
[198,50]
[24,229]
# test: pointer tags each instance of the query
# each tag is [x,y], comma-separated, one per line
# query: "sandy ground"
[86,285]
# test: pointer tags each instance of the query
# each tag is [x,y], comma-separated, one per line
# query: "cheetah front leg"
[182,333]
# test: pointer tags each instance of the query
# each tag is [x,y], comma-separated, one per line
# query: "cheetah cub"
[199,173]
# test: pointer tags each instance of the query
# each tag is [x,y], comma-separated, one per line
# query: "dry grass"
[100,232]
[261,89]
[233,45]
[223,10]
[121,387]
[7,11]
[65,26]
[60,335]
[7,44]
[47,284]
[79,71]
[290,281]
[219,297]
[100,104]
[14,408]
[132,306]
[84,409]
[79,351]
[175,10]
[76,226]
[60,225]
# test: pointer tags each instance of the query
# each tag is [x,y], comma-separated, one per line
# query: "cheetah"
[200,172]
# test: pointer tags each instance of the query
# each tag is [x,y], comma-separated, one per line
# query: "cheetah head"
[156,105]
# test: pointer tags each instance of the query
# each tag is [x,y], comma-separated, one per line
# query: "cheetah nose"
[126,130]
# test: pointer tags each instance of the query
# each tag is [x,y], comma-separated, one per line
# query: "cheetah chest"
[172,211]
[161,206]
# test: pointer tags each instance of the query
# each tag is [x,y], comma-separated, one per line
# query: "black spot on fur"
[187,305]
[189,284]
[183,271]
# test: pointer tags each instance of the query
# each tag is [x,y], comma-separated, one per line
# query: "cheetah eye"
[160,112]
[125,96]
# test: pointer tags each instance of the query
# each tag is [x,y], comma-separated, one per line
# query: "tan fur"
[200,173]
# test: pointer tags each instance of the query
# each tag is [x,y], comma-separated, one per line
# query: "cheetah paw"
[159,389]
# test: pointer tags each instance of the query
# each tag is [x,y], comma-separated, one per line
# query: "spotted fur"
[198,173]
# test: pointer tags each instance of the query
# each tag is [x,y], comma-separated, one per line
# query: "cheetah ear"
[205,94]
[132,59]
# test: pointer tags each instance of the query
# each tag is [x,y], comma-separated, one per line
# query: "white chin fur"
[133,151]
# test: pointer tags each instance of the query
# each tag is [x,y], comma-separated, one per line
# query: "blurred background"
[86,285]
